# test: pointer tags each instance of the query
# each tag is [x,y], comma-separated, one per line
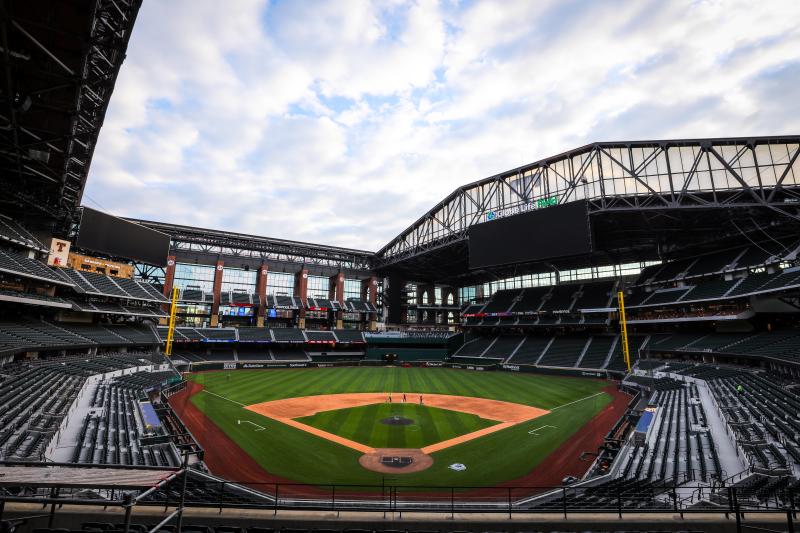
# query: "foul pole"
[623,324]
[171,329]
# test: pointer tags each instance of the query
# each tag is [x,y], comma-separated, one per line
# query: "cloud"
[343,122]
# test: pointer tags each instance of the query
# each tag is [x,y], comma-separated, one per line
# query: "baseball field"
[345,425]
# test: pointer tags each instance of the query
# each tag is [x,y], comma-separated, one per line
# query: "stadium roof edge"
[170,229]
[749,140]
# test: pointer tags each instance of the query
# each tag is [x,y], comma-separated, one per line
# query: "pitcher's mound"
[396,460]
[396,420]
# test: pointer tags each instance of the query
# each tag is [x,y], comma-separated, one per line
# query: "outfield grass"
[364,424]
[294,454]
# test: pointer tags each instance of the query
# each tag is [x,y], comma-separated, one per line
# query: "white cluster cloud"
[342,122]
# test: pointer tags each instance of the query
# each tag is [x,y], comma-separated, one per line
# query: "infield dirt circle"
[287,410]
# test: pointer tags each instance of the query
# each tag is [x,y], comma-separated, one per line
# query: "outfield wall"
[377,353]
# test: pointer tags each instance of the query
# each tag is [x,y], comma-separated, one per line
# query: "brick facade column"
[169,276]
[217,292]
[169,282]
[369,293]
[301,292]
[336,292]
[261,292]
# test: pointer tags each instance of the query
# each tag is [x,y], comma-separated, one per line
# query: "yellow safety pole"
[624,327]
[171,329]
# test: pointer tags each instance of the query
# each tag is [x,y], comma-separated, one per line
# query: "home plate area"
[396,460]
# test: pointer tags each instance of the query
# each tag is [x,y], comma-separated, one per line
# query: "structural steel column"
[301,293]
[336,292]
[261,292]
[393,288]
[217,292]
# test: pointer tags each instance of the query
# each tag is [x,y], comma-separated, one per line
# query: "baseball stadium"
[602,340]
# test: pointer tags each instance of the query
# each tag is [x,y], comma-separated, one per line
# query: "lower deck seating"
[597,352]
[530,350]
[564,352]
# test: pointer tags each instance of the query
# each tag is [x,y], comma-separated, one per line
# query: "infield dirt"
[285,411]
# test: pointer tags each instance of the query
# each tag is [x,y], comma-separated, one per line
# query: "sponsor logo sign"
[59,252]
[522,208]
[513,368]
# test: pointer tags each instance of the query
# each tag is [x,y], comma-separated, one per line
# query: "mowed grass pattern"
[297,455]
[364,424]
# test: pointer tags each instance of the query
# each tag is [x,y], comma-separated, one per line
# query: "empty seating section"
[679,446]
[13,232]
[218,334]
[531,300]
[595,295]
[672,270]
[133,288]
[242,298]
[33,335]
[666,343]
[635,343]
[595,319]
[563,352]
[714,263]
[780,281]
[779,345]
[548,320]
[36,396]
[472,309]
[715,342]
[104,284]
[501,301]
[19,265]
[504,346]
[754,256]
[597,351]
[474,347]
[665,296]
[349,335]
[762,418]
[190,294]
[253,354]
[32,298]
[711,290]
[320,336]
[285,302]
[109,286]
[254,335]
[113,430]
[530,350]
[287,353]
[560,298]
[288,335]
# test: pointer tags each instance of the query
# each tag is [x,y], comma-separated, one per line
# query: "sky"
[342,122]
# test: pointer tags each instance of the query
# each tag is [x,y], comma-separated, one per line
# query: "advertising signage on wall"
[522,208]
